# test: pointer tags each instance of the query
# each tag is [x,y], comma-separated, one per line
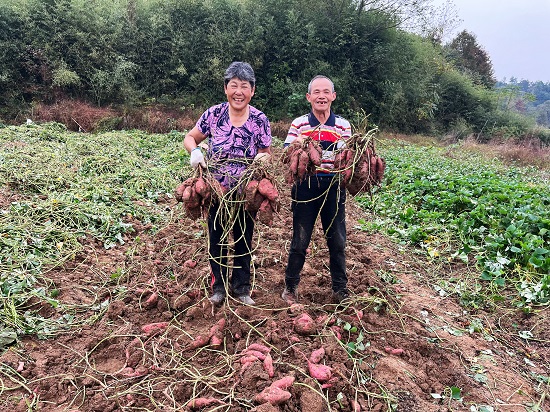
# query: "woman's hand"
[197,158]
[262,157]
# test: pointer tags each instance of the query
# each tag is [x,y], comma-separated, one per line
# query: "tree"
[470,58]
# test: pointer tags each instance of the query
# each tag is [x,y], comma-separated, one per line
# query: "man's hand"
[262,157]
[197,158]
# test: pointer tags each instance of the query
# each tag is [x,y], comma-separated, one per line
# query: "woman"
[237,134]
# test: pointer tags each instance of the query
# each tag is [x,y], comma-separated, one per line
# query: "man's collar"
[313,121]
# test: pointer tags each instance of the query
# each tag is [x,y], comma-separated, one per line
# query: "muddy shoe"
[340,296]
[246,299]
[289,297]
[217,298]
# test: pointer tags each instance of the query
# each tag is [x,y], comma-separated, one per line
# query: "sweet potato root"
[273,395]
[268,365]
[197,193]
[284,382]
[260,355]
[152,300]
[317,355]
[199,342]
[320,372]
[265,213]
[259,347]
[154,328]
[304,325]
[199,403]
[268,189]
[315,152]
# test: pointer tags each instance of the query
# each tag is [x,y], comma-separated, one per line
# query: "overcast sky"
[515,34]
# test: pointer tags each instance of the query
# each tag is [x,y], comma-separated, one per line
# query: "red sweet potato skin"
[273,395]
[320,372]
[265,213]
[268,189]
[304,325]
[317,355]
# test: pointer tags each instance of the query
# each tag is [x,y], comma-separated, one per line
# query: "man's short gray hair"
[319,76]
[242,71]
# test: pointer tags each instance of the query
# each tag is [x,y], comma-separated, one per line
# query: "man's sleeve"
[292,134]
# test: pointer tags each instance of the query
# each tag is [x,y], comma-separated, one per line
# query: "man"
[319,193]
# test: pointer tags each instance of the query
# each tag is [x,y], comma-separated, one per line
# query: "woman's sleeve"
[265,133]
[203,124]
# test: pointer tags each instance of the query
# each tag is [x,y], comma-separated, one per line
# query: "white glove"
[262,157]
[197,158]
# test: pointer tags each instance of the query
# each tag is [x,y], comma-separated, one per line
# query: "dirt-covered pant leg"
[242,231]
[217,254]
[309,197]
[333,218]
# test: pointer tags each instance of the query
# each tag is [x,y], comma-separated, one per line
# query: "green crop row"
[498,215]
[64,187]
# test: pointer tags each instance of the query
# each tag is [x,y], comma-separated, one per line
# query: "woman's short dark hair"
[242,71]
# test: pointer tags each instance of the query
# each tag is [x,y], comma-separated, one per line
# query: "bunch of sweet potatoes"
[197,193]
[360,166]
[303,157]
[262,197]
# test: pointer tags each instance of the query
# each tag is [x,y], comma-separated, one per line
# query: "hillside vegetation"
[72,61]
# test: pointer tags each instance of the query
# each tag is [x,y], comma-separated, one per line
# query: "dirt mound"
[398,345]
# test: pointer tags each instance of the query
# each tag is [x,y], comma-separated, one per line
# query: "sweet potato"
[317,355]
[265,213]
[190,263]
[260,355]
[273,395]
[288,152]
[135,373]
[394,351]
[216,342]
[294,160]
[250,190]
[178,193]
[201,187]
[266,188]
[320,372]
[152,300]
[268,365]
[154,328]
[304,325]
[380,168]
[218,327]
[194,199]
[186,194]
[259,347]
[284,382]
[199,403]
[199,342]
[314,153]
[303,164]
[254,205]
[248,359]
[372,169]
